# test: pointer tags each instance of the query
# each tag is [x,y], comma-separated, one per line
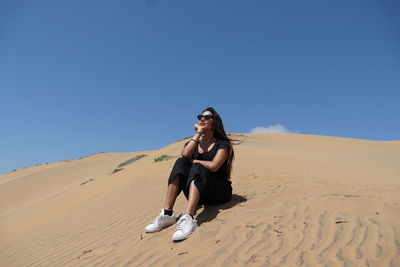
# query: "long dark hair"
[219,133]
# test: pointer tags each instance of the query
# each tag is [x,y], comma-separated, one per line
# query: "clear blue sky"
[80,77]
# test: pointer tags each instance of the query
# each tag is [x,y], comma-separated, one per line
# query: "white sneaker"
[160,222]
[185,227]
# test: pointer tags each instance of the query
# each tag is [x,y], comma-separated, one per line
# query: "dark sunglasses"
[206,117]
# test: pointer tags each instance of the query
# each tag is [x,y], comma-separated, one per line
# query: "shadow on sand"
[210,212]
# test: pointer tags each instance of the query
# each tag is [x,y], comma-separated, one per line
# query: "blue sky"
[80,77]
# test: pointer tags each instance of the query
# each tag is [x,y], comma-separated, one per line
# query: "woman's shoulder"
[223,144]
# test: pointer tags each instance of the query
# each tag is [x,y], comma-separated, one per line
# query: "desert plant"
[161,158]
[119,168]
[131,160]
[88,181]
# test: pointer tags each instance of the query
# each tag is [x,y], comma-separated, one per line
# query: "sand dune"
[298,200]
[48,180]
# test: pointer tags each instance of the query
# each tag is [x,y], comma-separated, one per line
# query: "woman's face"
[208,123]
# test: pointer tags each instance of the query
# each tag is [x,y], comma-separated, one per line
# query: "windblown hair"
[219,133]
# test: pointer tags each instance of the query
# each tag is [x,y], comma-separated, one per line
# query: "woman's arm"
[188,150]
[216,163]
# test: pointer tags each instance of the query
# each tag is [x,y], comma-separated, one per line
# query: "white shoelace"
[158,220]
[183,222]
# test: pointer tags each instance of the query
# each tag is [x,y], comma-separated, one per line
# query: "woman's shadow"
[210,212]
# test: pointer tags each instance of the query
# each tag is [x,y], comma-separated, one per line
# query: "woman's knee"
[182,161]
[198,166]
[199,169]
[176,179]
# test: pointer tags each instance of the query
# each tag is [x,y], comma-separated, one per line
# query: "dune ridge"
[299,200]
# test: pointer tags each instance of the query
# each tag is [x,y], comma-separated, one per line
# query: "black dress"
[214,187]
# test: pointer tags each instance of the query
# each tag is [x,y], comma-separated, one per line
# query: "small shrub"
[88,181]
[119,168]
[161,158]
[131,160]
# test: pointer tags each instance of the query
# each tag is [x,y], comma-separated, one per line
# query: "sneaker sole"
[180,238]
[153,231]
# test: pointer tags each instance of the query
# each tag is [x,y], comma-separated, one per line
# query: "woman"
[202,173]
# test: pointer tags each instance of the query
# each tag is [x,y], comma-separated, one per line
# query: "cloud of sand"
[278,128]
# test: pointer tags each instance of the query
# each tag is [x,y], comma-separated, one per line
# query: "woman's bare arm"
[188,150]
[216,163]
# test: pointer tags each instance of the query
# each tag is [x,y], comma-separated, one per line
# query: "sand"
[298,200]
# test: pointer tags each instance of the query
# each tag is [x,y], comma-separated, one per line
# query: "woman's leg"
[194,197]
[187,224]
[172,193]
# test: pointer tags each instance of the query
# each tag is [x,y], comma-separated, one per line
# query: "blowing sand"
[298,200]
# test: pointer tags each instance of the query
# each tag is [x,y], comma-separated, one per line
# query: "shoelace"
[158,220]
[183,221]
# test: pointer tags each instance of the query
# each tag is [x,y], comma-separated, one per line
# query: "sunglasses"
[206,117]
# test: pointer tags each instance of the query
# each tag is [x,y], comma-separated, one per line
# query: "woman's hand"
[198,128]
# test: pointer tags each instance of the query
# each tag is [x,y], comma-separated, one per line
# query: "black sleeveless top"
[219,144]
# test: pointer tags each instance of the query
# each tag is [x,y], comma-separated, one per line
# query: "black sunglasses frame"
[206,117]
